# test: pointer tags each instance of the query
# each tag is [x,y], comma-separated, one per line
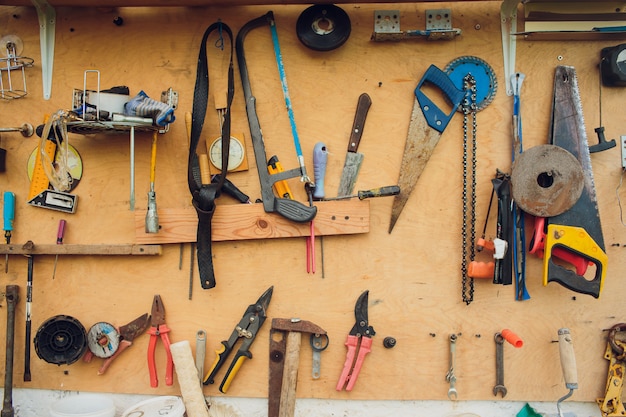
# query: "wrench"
[450,376]
[499,387]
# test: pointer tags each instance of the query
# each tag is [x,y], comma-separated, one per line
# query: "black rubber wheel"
[323,27]
[61,340]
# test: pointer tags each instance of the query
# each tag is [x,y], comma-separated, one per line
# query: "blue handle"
[434,116]
[9,210]
[320,157]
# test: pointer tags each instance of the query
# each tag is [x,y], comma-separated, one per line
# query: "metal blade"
[353,161]
[568,132]
[135,328]
[420,144]
[351,169]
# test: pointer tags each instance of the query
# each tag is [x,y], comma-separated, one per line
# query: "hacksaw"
[427,124]
[578,229]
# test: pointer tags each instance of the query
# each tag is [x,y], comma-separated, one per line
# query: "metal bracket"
[47,25]
[508,27]
[438,26]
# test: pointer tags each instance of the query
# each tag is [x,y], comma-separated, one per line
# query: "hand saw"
[427,124]
[578,229]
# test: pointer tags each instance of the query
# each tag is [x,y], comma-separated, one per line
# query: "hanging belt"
[204,195]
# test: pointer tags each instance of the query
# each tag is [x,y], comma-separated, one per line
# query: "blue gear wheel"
[486,81]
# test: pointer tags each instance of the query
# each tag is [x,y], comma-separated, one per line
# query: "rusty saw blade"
[427,124]
[578,229]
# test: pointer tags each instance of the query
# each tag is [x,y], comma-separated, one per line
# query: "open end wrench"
[499,387]
[450,376]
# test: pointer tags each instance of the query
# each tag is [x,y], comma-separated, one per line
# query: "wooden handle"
[568,359]
[290,375]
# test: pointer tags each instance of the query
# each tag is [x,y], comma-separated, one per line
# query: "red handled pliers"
[359,344]
[159,328]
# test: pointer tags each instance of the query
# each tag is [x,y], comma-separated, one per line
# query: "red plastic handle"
[366,347]
[538,244]
[154,380]
[512,338]
[351,344]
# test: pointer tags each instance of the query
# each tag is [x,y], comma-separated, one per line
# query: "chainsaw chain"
[468,106]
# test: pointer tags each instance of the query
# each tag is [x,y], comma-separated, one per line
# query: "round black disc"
[61,340]
[323,27]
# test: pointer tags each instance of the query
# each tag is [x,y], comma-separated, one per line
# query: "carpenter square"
[427,124]
[354,159]
[578,229]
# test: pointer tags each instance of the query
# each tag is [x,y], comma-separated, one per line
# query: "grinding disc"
[323,27]
[546,180]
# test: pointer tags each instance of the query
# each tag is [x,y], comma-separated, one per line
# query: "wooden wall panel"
[413,274]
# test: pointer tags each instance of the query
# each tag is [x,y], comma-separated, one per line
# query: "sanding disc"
[546,180]
[323,27]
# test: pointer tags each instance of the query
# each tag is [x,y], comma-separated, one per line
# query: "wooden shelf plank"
[250,221]
[78,249]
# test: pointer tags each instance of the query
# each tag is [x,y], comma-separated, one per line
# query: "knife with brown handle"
[352,165]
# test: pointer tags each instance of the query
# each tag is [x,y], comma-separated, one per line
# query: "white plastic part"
[508,23]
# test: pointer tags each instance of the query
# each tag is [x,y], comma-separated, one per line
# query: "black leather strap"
[204,195]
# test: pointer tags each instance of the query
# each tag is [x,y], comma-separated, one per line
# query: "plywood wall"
[413,274]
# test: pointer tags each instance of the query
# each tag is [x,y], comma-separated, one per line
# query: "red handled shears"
[159,328]
[359,344]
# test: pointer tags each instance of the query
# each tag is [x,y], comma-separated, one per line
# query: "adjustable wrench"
[450,376]
[499,387]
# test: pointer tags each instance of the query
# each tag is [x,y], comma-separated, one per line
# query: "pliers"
[159,328]
[247,328]
[359,340]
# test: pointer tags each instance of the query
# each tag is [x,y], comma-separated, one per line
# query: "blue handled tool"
[8,215]
[427,124]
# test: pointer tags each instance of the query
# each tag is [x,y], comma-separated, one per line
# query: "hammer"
[285,340]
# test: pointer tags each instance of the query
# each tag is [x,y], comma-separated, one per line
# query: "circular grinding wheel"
[323,27]
[546,180]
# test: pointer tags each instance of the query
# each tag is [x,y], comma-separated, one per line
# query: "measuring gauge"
[103,340]
[236,155]
[74,160]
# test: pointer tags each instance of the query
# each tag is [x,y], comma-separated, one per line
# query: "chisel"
[9,216]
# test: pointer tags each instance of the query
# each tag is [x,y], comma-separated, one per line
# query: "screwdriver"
[387,191]
[9,215]
[60,233]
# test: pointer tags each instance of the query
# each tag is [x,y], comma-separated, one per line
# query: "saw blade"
[486,80]
[577,230]
[425,128]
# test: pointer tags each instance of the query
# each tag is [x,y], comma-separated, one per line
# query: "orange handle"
[481,269]
[512,338]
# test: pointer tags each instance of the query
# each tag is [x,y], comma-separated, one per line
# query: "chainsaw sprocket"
[486,81]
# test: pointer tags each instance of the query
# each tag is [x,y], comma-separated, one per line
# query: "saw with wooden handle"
[427,124]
